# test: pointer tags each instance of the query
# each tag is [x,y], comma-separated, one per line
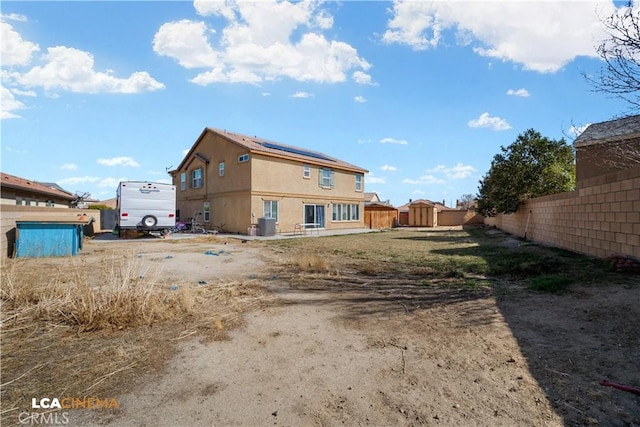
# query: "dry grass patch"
[71,330]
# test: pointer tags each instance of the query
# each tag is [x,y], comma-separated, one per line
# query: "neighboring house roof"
[371,197]
[108,202]
[613,130]
[17,183]
[274,149]
[440,206]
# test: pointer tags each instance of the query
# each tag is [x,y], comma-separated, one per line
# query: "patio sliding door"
[314,214]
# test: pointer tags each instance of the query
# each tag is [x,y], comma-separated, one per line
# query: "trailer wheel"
[149,221]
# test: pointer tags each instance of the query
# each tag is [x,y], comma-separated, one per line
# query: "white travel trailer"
[146,206]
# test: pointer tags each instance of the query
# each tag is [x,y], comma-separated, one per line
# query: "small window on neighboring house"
[243,158]
[306,171]
[325,178]
[207,211]
[19,201]
[27,202]
[358,182]
[271,209]
[183,181]
[50,204]
[196,178]
[221,169]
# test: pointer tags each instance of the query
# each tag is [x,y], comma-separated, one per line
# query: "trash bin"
[266,226]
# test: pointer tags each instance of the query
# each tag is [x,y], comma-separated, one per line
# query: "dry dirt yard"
[404,327]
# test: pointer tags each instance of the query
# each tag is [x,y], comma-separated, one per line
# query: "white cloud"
[375,180]
[265,94]
[71,69]
[519,92]
[459,171]
[360,99]
[370,178]
[389,140]
[15,51]
[364,141]
[119,161]
[526,33]
[110,182]
[424,180]
[302,95]
[486,121]
[14,17]
[577,130]
[388,168]
[69,167]
[362,78]
[9,104]
[77,180]
[261,41]
[187,42]
[418,192]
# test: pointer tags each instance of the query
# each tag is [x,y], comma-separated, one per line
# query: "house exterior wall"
[11,196]
[606,157]
[601,218]
[228,195]
[237,198]
[283,180]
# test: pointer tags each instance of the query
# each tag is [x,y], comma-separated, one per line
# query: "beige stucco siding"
[237,198]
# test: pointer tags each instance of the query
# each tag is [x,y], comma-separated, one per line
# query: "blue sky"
[421,94]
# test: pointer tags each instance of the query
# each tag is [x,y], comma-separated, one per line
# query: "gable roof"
[274,149]
[17,183]
[613,130]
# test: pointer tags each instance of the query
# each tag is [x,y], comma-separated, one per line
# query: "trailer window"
[196,178]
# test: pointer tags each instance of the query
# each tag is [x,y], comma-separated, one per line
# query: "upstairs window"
[183,181]
[325,178]
[196,178]
[221,168]
[243,158]
[306,171]
[358,182]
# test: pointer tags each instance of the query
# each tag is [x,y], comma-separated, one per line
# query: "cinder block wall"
[600,218]
[459,217]
[9,214]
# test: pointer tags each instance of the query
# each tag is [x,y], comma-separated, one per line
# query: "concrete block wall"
[601,218]
[9,214]
[459,217]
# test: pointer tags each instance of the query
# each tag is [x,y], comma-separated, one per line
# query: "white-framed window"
[358,182]
[50,204]
[196,178]
[206,209]
[271,209]
[346,212]
[183,181]
[325,178]
[221,168]
[306,172]
[243,158]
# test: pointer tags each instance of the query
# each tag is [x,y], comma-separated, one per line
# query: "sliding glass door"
[314,216]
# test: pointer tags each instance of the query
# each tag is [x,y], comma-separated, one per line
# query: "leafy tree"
[532,166]
[621,53]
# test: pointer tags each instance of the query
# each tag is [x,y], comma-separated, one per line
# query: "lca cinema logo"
[52,411]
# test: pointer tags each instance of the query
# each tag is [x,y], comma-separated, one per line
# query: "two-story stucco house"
[229,181]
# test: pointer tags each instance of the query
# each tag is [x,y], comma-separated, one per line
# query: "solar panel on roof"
[293,150]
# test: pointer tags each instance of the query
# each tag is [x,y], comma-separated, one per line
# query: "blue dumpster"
[48,238]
